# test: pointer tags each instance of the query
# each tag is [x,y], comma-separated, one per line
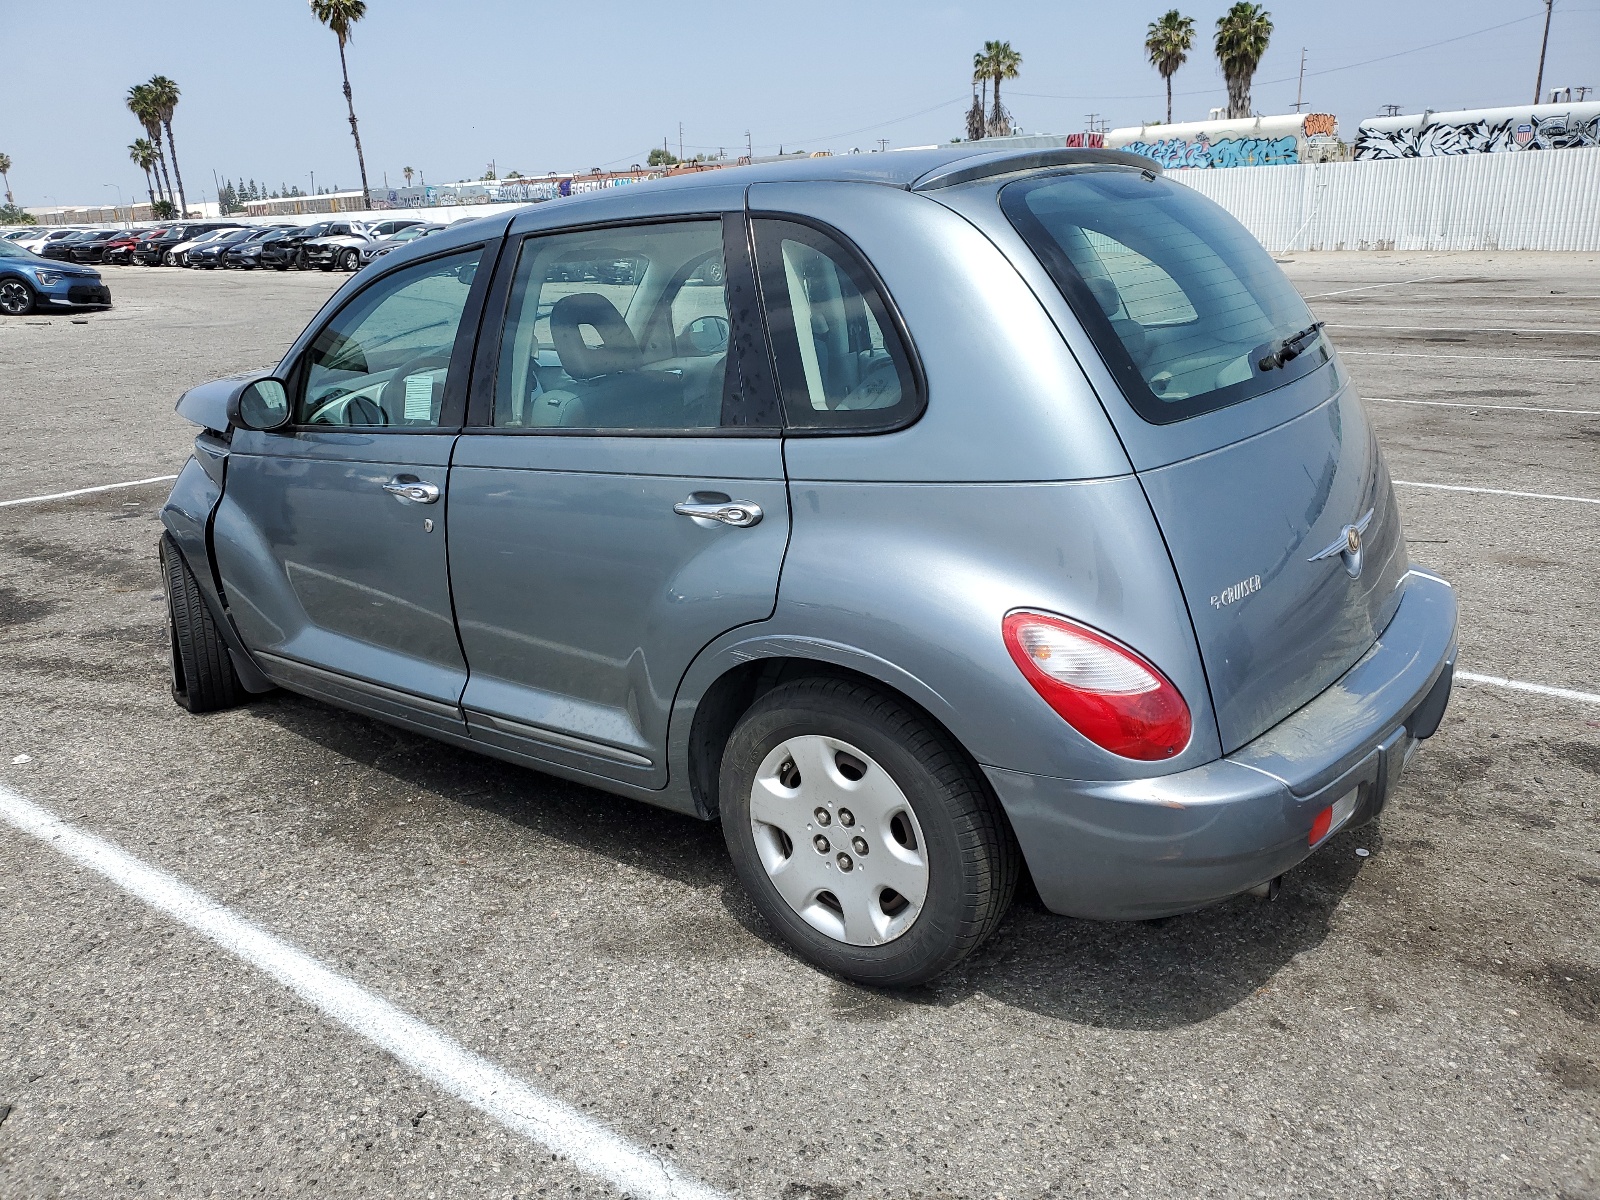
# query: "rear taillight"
[1101,688]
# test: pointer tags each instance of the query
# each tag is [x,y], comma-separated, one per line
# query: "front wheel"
[16,298]
[203,678]
[866,838]
[349,260]
[169,259]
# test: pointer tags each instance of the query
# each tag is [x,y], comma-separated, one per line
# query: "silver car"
[923,517]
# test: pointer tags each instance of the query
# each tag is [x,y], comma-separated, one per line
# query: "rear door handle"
[741,514]
[409,487]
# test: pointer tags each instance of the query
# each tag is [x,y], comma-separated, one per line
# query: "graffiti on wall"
[1224,152]
[1532,132]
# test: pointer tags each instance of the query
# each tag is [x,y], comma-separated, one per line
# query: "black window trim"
[889,319]
[1146,404]
[457,385]
[486,362]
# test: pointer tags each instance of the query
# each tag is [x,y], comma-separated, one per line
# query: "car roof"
[916,170]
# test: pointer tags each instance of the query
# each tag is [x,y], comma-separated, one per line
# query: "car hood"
[342,239]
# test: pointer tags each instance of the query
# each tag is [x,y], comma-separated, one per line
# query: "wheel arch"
[722,684]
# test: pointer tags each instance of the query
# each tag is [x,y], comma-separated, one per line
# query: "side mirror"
[707,335]
[262,405]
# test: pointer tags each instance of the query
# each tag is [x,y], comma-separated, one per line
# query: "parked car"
[61,248]
[1023,513]
[246,253]
[393,241]
[157,251]
[284,253]
[21,231]
[41,236]
[120,251]
[209,252]
[29,282]
[92,246]
[341,245]
[178,255]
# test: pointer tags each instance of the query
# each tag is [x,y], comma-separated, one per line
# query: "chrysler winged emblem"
[1348,546]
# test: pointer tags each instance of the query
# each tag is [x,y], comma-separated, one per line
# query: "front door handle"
[741,514]
[409,487]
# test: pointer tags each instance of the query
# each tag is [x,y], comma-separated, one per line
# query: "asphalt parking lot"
[1419,1020]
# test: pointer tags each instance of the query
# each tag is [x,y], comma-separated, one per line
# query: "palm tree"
[5,173]
[142,104]
[976,121]
[1242,36]
[143,153]
[1167,42]
[164,92]
[408,173]
[1004,63]
[339,16]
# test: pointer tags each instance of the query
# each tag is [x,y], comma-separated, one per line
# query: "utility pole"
[680,141]
[883,144]
[1543,46]
[1583,92]
[1300,92]
[749,147]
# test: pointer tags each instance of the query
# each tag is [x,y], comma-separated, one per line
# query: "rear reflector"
[1104,690]
[1332,817]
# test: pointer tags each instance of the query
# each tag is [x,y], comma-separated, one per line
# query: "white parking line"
[104,487]
[1539,689]
[561,1129]
[1456,487]
[1546,359]
[1395,328]
[1370,286]
[1576,412]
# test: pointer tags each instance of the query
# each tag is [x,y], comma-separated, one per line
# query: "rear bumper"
[1154,847]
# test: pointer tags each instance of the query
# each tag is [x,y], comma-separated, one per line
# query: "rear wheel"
[867,839]
[16,297]
[203,678]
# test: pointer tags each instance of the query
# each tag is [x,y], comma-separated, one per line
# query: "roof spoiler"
[1005,162]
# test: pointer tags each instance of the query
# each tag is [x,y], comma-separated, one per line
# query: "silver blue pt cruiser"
[921,516]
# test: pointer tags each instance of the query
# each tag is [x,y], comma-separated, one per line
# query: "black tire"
[17,298]
[350,260]
[203,678]
[972,856]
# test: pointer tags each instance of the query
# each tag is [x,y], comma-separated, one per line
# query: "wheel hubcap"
[839,841]
[13,296]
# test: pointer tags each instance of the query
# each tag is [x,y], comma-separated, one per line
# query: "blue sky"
[446,87]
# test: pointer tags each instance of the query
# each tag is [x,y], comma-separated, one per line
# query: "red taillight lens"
[1320,826]
[1101,688]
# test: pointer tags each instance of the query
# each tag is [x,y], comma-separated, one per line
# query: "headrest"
[1105,293]
[618,350]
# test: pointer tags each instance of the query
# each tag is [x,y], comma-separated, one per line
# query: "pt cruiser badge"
[1348,545]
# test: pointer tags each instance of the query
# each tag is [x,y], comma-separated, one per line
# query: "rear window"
[1188,310]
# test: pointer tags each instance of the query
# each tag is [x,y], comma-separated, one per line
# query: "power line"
[1291,78]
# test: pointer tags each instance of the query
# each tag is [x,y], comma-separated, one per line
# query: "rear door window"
[1188,310]
[617,329]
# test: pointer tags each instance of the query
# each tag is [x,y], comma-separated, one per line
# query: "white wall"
[1546,200]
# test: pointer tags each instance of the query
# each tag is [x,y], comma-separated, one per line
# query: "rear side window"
[841,361]
[1189,312]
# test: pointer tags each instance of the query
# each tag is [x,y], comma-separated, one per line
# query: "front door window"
[384,360]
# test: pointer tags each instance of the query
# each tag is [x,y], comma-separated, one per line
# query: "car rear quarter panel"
[908,583]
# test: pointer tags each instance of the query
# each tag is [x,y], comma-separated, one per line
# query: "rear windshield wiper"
[1290,347]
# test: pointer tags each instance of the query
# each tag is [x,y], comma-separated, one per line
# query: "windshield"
[1189,312]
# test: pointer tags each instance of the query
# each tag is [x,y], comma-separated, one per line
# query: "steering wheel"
[392,398]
